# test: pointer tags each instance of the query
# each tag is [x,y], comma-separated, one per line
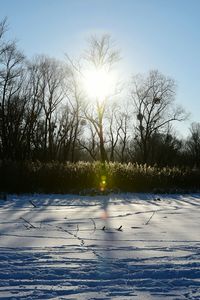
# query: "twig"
[26,226]
[93,224]
[34,205]
[150,218]
[77,230]
[120,228]
[32,226]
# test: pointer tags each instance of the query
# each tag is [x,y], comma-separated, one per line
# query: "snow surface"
[64,247]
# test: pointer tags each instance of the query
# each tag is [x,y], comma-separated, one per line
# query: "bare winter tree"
[32,116]
[49,80]
[153,99]
[47,113]
[101,53]
[118,132]
[11,79]
[75,104]
[114,127]
[89,143]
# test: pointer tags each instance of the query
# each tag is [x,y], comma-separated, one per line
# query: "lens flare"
[103,183]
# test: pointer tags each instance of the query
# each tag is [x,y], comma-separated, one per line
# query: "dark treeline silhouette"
[45,113]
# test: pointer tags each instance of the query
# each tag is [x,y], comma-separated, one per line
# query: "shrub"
[56,177]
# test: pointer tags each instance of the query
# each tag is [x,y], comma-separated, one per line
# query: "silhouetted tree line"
[45,114]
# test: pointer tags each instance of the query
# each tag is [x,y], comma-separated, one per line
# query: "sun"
[99,83]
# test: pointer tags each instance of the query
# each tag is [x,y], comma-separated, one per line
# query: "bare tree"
[114,127]
[118,131]
[101,53]
[75,102]
[11,80]
[153,99]
[89,143]
[49,85]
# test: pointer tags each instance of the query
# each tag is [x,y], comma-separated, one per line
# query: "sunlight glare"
[99,83]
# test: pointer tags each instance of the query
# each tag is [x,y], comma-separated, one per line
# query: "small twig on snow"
[120,228]
[150,218]
[32,226]
[93,224]
[34,205]
[77,230]
[26,226]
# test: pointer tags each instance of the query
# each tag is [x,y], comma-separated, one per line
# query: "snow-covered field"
[143,246]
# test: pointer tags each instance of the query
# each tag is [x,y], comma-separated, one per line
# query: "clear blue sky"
[152,34]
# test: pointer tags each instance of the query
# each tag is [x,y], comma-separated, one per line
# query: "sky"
[151,34]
